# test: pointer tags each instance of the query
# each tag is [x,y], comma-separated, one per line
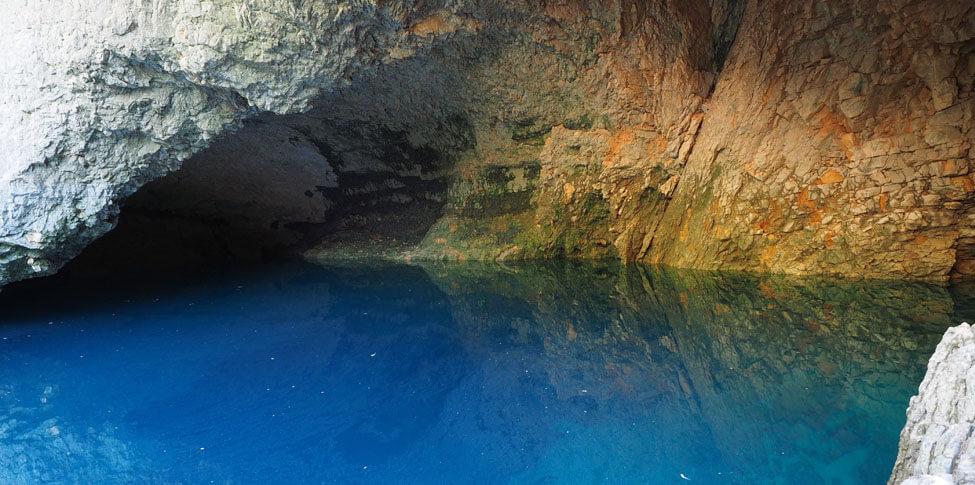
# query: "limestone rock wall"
[837,142]
[937,444]
[707,134]
[102,97]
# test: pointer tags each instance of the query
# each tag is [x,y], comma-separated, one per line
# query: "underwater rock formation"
[937,444]
[706,134]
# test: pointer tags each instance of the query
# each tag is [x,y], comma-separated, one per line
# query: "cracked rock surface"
[706,134]
[99,97]
[937,445]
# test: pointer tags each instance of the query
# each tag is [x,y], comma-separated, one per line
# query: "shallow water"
[548,373]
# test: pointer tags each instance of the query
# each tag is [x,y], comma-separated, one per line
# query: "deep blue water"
[549,373]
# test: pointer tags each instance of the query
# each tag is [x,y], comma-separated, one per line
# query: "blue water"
[378,373]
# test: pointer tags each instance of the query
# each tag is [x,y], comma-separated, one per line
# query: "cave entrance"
[365,170]
[282,185]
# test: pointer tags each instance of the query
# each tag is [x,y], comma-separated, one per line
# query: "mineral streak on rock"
[708,134]
[937,445]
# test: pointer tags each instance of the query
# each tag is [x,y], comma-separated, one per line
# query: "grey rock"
[937,445]
[100,97]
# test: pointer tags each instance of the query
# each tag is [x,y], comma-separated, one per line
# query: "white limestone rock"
[937,445]
[97,97]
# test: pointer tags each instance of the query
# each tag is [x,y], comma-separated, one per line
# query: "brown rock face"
[836,138]
[818,137]
[838,141]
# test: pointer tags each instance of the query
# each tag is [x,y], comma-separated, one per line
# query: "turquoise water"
[375,373]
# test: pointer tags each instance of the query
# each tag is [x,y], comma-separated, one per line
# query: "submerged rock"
[937,444]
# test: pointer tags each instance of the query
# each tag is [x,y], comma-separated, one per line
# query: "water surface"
[547,373]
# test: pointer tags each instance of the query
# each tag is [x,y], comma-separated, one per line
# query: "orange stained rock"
[442,23]
[767,290]
[848,141]
[953,166]
[657,145]
[565,11]
[685,228]
[964,182]
[832,176]
[804,201]
[773,90]
[772,215]
[768,254]
[936,242]
[748,166]
[883,201]
[722,232]
[433,24]
[568,191]
[948,166]
[714,208]
[616,143]
[815,217]
[895,123]
[834,124]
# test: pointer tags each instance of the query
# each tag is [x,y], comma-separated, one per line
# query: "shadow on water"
[540,373]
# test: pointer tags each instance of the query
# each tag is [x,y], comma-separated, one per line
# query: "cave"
[487,241]
[283,186]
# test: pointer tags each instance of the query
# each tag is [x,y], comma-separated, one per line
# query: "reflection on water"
[543,373]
